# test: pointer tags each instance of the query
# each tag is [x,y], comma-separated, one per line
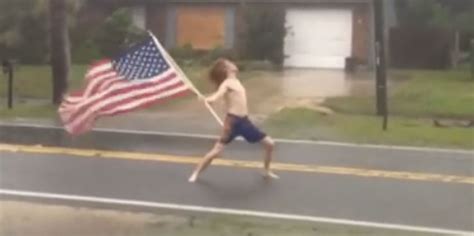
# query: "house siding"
[164,20]
[170,28]
[139,16]
[360,37]
[156,21]
[230,27]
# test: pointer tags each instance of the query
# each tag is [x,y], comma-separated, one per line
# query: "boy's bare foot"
[193,178]
[268,174]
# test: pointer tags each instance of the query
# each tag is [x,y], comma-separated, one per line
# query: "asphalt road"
[372,198]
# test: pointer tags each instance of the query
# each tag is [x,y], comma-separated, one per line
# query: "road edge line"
[227,211]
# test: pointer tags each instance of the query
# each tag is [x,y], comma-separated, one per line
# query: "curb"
[117,139]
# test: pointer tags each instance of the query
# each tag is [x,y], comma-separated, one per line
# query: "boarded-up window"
[202,27]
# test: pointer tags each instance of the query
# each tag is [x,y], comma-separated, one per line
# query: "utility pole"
[7,66]
[381,63]
[60,54]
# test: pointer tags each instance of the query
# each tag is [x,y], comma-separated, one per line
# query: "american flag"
[139,77]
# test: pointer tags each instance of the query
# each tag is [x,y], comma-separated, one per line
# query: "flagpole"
[187,80]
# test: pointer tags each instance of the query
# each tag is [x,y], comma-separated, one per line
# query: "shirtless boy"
[224,75]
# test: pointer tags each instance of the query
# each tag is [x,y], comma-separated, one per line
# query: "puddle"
[298,84]
[268,92]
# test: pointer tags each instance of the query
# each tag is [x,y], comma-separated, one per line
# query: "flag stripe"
[95,86]
[131,103]
[149,100]
[99,67]
[137,78]
[144,104]
[106,85]
[109,85]
[131,92]
[71,104]
[100,106]
[93,82]
[101,73]
[99,79]
[114,92]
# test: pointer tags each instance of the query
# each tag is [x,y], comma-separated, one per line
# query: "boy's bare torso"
[235,97]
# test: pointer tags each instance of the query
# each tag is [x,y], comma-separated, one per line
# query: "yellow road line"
[243,164]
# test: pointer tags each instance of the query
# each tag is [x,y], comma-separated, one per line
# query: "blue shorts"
[235,126]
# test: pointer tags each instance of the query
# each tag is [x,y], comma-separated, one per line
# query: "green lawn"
[419,94]
[28,111]
[307,124]
[35,81]
[416,97]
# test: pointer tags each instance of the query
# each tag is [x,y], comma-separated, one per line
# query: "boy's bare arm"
[218,94]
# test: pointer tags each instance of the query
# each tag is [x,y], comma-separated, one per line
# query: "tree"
[452,16]
[448,14]
[116,33]
[60,53]
[264,34]
[20,22]
[25,20]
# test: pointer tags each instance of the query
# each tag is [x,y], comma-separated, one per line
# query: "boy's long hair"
[218,72]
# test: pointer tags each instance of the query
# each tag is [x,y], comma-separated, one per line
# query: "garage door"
[318,38]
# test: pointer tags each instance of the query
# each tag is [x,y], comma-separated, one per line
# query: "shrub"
[183,52]
[186,55]
[85,52]
[264,34]
[245,65]
[217,53]
[117,33]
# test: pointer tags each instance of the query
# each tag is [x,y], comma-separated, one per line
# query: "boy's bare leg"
[206,161]
[269,146]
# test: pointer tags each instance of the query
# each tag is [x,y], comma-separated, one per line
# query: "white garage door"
[318,38]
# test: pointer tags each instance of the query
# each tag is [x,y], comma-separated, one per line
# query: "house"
[321,33]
